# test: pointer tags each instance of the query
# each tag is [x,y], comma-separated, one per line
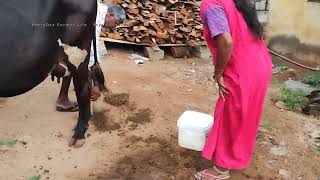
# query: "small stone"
[279,151]
[272,161]
[273,141]
[283,143]
[75,166]
[299,87]
[46,171]
[60,135]
[280,105]
[23,142]
[284,173]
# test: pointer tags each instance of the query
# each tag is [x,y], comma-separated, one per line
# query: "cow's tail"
[96,69]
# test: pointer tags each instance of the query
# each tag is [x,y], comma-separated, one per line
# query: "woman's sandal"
[222,175]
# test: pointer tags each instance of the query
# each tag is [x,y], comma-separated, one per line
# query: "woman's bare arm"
[224,50]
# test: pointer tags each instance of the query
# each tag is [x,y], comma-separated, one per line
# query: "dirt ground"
[138,140]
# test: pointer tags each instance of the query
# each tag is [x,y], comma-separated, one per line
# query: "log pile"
[313,104]
[159,22]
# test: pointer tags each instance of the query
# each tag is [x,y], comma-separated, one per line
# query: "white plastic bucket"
[193,128]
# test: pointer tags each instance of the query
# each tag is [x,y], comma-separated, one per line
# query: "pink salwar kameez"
[231,142]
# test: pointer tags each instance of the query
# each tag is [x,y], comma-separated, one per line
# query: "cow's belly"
[26,63]
[27,51]
[19,78]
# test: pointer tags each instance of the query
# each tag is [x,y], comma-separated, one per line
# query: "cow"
[37,36]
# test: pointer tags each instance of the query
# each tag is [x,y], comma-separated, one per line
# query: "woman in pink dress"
[243,70]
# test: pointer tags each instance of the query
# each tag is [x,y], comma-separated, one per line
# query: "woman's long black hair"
[249,13]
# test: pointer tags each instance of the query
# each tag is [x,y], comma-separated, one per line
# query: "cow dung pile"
[117,99]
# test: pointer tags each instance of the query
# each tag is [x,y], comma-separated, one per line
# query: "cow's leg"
[81,38]
[82,85]
[83,88]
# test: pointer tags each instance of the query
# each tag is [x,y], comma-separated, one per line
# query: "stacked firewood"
[313,105]
[159,22]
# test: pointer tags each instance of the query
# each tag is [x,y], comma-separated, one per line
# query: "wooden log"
[180,52]
[165,21]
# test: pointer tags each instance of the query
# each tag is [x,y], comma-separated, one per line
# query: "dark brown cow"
[36,35]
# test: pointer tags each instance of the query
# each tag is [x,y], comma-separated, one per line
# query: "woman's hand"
[224,50]
[222,88]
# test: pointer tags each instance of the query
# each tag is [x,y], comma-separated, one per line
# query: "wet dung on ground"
[164,160]
[142,117]
[103,123]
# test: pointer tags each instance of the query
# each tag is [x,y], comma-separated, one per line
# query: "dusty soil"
[137,138]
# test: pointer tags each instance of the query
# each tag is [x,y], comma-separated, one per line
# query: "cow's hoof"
[72,142]
[76,143]
[79,143]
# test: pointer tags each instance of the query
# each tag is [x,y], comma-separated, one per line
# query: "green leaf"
[34,178]
[281,68]
[9,142]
